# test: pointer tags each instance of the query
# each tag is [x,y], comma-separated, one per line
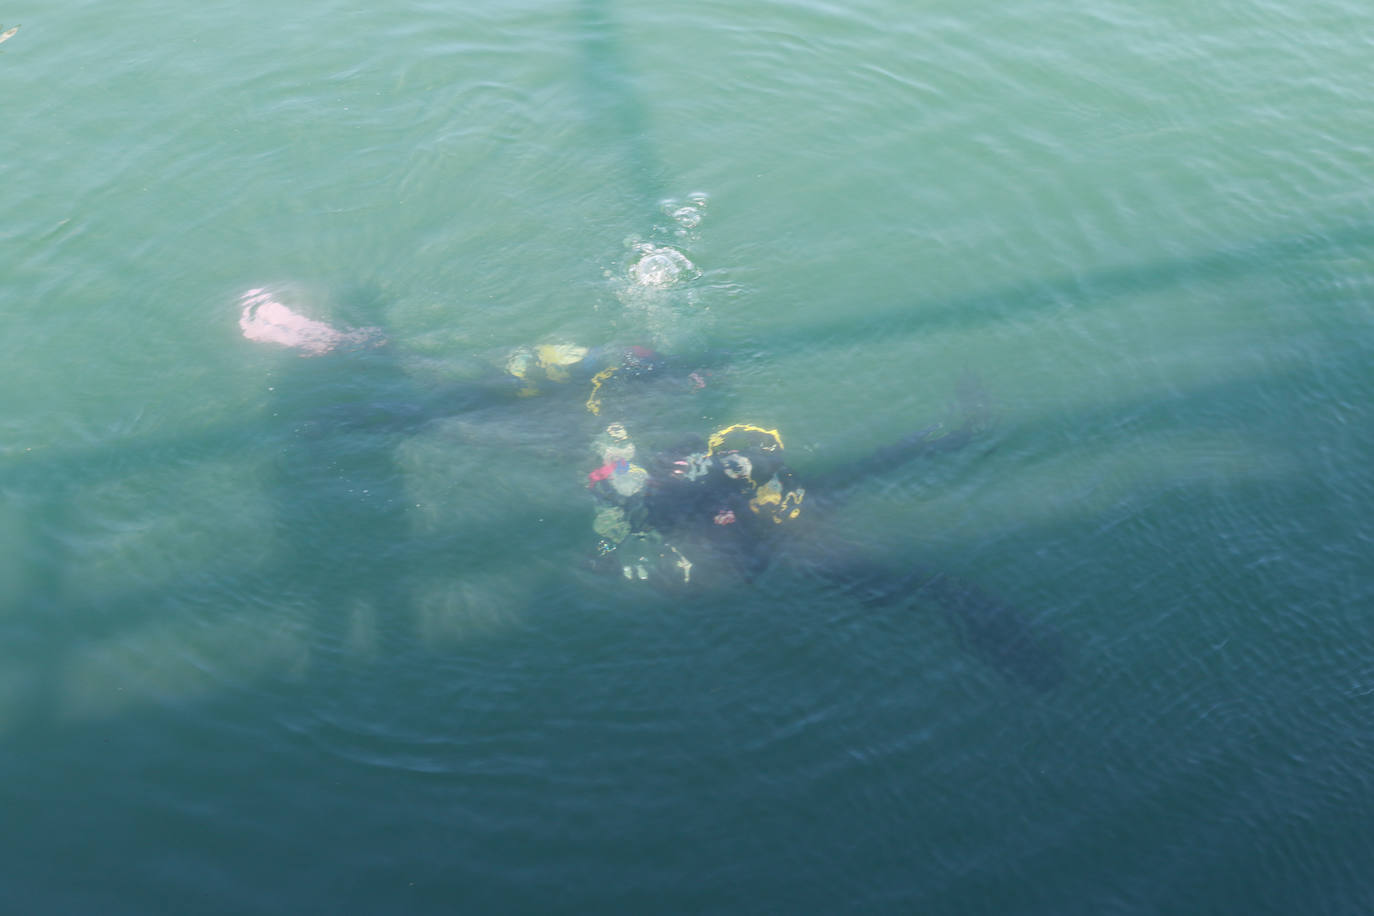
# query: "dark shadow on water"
[341,544]
[1018,643]
[887,317]
[1009,639]
[341,525]
[614,110]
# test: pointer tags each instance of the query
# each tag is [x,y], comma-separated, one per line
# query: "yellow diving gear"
[594,399]
[775,498]
[547,362]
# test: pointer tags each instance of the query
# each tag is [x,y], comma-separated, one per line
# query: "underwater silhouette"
[704,514]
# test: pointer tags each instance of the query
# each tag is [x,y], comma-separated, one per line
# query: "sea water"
[286,633]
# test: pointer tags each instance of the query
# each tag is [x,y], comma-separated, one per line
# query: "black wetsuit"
[700,516]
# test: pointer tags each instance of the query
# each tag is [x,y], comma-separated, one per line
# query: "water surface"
[295,635]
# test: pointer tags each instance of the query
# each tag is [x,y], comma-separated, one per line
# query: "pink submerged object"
[606,470]
[266,320]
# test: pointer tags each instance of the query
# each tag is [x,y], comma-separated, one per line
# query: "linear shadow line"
[905,317]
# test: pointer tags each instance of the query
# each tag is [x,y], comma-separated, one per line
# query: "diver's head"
[736,466]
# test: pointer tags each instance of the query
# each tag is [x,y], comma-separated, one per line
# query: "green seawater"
[321,635]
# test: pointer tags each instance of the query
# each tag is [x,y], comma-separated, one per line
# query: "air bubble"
[687,217]
[659,267]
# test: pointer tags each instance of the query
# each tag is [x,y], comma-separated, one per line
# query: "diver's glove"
[644,555]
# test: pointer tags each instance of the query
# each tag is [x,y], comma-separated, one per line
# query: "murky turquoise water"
[291,635]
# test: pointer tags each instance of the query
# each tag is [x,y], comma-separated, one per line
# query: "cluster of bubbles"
[658,267]
[687,215]
[655,287]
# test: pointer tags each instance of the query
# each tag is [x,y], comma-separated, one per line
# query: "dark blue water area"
[782,749]
[1159,704]
[286,635]
[1156,704]
[537,800]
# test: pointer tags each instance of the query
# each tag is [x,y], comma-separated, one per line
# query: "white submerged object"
[659,267]
[268,321]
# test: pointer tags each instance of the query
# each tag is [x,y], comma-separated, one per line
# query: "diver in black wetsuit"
[659,515]
[714,502]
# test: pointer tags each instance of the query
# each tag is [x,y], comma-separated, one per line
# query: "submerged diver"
[660,514]
[705,509]
[716,501]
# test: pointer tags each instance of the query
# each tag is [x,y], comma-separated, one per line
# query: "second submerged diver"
[714,502]
[702,508]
